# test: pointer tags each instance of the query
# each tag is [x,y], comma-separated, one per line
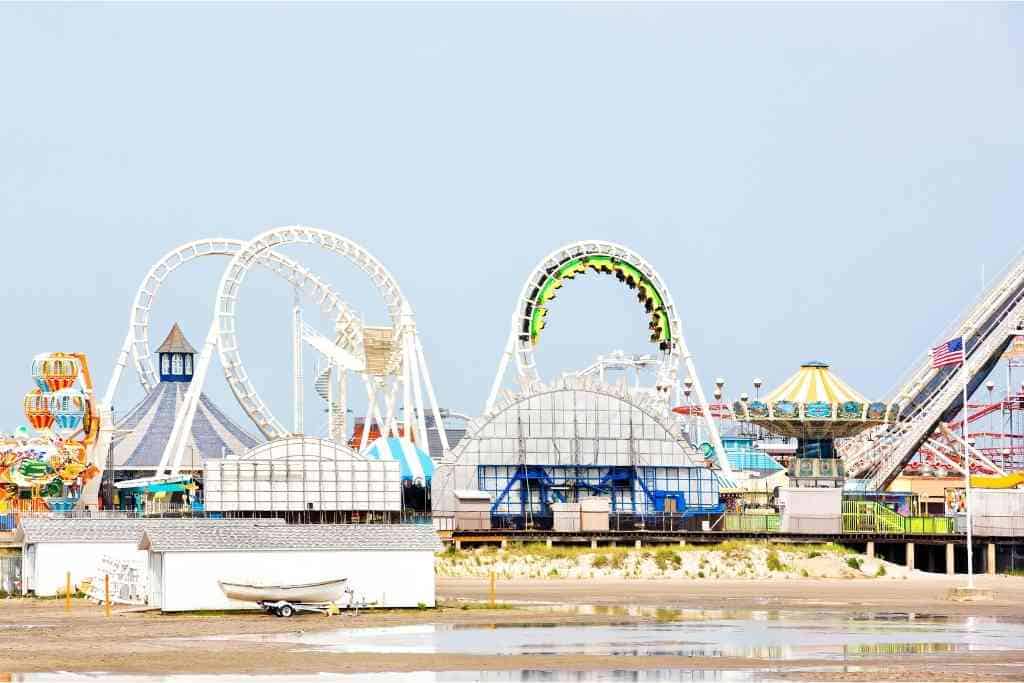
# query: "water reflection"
[612,676]
[761,635]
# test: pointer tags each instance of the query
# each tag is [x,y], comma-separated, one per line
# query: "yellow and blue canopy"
[813,404]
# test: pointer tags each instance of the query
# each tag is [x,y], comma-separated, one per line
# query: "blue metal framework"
[522,492]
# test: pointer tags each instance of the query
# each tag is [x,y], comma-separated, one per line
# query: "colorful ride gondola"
[69,408]
[37,410]
[55,371]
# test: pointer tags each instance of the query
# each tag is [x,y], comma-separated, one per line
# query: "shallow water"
[687,633]
[640,676]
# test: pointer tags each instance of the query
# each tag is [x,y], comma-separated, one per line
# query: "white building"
[305,475]
[387,565]
[52,547]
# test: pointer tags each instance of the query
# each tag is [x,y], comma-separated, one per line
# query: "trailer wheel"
[285,611]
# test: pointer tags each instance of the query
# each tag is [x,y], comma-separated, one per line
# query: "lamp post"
[687,390]
[719,384]
[744,397]
[757,397]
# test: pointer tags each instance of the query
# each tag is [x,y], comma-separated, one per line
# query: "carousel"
[815,407]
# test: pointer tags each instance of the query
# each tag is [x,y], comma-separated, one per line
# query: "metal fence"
[9,521]
[751,523]
[10,575]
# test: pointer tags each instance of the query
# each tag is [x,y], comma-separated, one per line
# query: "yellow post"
[106,594]
[67,592]
[492,590]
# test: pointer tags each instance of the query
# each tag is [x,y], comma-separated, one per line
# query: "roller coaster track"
[935,395]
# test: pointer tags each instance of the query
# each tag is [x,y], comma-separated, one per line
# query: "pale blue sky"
[812,181]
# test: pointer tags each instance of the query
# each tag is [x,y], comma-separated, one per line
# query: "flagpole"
[967,477]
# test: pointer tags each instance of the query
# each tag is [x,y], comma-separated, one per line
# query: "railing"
[750,523]
[873,518]
[9,521]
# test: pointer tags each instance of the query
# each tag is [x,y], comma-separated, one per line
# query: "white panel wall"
[53,560]
[302,483]
[391,578]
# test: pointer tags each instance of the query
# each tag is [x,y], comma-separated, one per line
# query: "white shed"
[387,565]
[53,546]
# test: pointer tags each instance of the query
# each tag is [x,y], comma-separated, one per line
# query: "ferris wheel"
[529,319]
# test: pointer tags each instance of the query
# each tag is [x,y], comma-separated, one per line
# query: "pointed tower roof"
[176,342]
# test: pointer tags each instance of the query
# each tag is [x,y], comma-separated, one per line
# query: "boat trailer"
[284,608]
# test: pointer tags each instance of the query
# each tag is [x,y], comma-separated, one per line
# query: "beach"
[39,636]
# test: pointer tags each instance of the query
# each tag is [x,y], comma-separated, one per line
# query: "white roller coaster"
[931,396]
[403,370]
[628,266]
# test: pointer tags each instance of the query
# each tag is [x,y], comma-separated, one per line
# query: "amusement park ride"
[58,462]
[387,361]
[51,461]
[666,330]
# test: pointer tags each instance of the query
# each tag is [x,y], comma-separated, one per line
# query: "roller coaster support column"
[422,361]
[171,459]
[950,559]
[297,407]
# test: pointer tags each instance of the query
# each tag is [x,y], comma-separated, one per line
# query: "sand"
[729,560]
[37,635]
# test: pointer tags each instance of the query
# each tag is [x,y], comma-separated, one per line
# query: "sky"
[812,181]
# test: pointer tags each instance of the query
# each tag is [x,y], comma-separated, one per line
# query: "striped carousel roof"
[814,404]
[812,383]
[414,463]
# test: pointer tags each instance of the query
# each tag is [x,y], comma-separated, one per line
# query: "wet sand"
[925,593]
[37,635]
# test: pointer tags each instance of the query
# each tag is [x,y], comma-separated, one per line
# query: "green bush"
[665,557]
[813,554]
[881,570]
[774,563]
[600,562]
[853,563]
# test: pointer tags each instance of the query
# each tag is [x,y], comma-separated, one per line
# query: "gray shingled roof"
[114,530]
[292,537]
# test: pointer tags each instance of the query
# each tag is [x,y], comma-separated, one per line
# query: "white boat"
[321,591]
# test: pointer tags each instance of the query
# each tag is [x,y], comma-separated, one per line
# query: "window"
[176,367]
[188,364]
[165,364]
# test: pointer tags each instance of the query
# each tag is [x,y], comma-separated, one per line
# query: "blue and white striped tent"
[413,462]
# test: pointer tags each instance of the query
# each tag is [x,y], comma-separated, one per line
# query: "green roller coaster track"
[647,293]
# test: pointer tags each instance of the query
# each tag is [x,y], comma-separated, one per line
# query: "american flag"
[948,353]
